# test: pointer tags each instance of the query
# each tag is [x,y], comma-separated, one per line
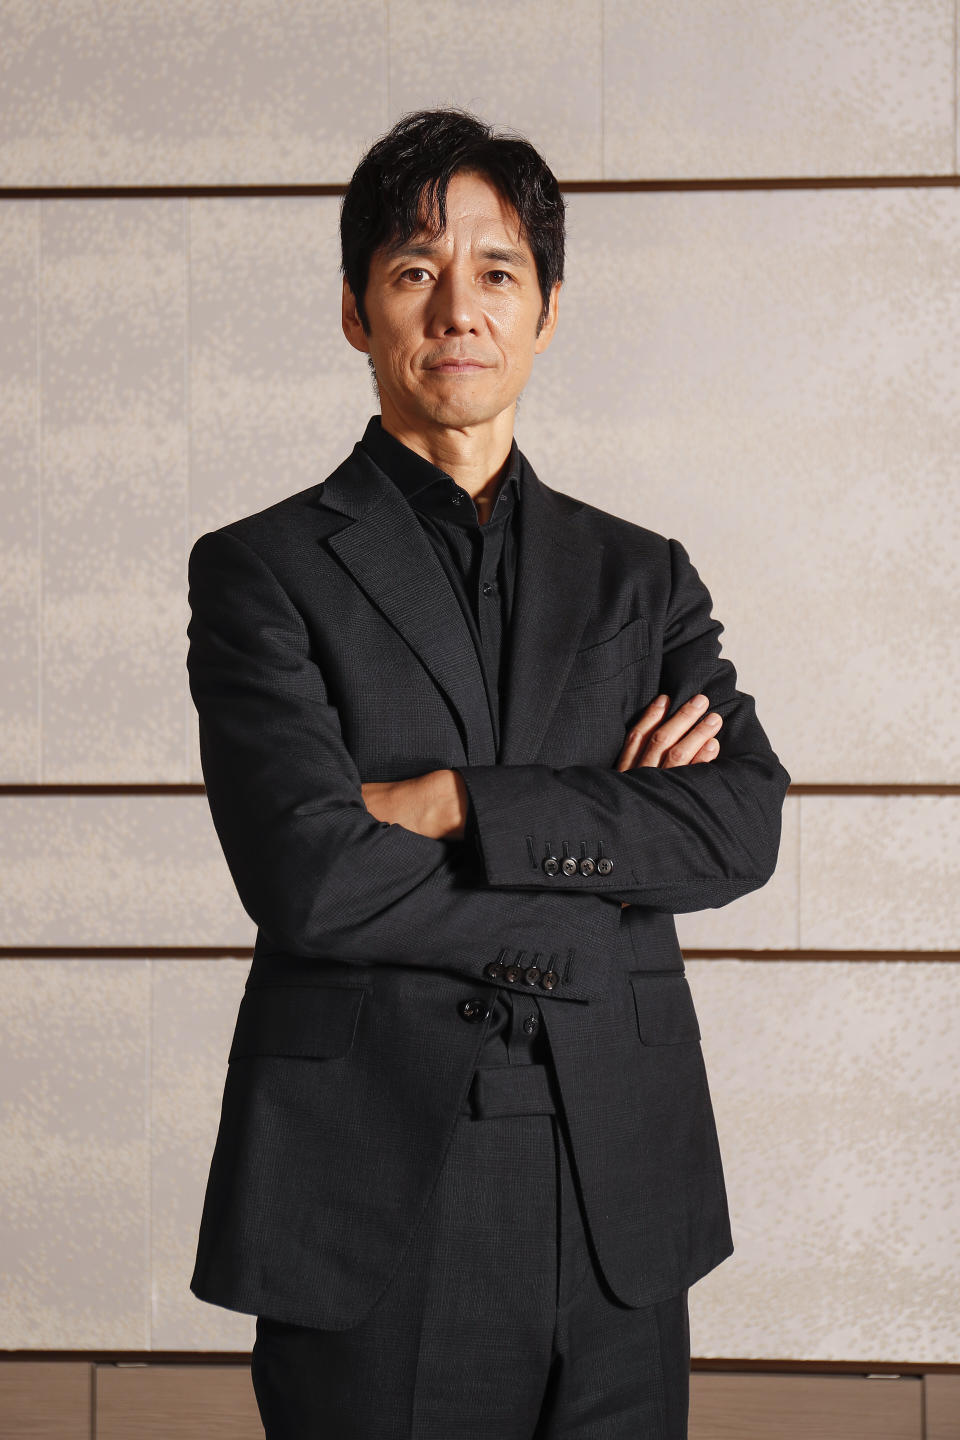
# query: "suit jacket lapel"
[391,559]
[389,556]
[557,574]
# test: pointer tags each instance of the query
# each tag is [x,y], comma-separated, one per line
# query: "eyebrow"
[426,250]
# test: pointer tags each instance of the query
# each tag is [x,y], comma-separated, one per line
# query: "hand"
[684,739]
[433,804]
[687,738]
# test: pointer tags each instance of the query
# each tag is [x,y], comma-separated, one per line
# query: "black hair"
[403,177]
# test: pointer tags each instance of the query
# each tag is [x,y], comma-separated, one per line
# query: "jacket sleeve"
[687,838]
[316,872]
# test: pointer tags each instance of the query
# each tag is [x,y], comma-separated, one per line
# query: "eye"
[415,273]
[499,277]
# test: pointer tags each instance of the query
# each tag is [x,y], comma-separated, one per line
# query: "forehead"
[475,211]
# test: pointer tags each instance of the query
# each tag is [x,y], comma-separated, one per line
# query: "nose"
[455,306]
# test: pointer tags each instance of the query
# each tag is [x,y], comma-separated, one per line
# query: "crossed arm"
[436,803]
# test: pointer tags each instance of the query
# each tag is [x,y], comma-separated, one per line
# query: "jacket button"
[604,866]
[512,974]
[493,971]
[530,1025]
[532,974]
[569,866]
[550,979]
[587,866]
[473,1010]
[551,865]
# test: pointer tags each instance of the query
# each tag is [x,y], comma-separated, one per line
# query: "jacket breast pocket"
[608,657]
[315,1021]
[665,1010]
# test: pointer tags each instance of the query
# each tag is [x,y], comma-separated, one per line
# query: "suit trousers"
[497,1323]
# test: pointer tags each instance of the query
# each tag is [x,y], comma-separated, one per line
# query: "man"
[459,749]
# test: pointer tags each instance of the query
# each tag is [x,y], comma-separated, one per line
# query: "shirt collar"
[430,489]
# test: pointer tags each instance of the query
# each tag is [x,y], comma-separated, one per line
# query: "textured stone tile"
[139,92]
[19,487]
[772,379]
[750,87]
[534,67]
[115,870]
[195,1005]
[880,872]
[836,1089]
[766,919]
[113,338]
[278,397]
[74,1154]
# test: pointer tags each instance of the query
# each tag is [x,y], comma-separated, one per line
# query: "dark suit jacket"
[326,649]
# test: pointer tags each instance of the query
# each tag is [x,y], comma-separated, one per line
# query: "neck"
[475,456]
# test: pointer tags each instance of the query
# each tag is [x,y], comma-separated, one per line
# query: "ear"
[550,324]
[350,321]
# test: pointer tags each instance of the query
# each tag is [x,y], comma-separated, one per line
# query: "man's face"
[453,321]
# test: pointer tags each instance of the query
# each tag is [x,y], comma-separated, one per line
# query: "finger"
[671,731]
[638,733]
[706,753]
[683,751]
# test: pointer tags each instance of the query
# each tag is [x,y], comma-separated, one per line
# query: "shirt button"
[487,588]
[530,1025]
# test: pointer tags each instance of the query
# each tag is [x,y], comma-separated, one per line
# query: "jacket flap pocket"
[609,657]
[314,1020]
[665,1010]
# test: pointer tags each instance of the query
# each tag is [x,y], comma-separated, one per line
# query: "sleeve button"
[551,865]
[512,974]
[493,971]
[550,979]
[587,865]
[569,866]
[604,866]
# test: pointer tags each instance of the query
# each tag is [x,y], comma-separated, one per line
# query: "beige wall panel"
[176,1402]
[880,872]
[534,67]
[115,870]
[836,1089]
[750,87]
[45,1400]
[771,378]
[74,1154]
[805,1407]
[941,1407]
[278,397]
[766,919]
[19,487]
[139,92]
[195,1005]
[113,337]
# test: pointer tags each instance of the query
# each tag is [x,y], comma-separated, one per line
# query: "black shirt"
[479,560]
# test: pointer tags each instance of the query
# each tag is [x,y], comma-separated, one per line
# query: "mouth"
[457,367]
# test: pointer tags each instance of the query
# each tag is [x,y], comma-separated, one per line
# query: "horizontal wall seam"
[163,788]
[603,187]
[244,952]
[745,1365]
